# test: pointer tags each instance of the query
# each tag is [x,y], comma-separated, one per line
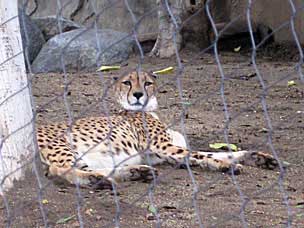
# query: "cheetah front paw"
[142,172]
[265,161]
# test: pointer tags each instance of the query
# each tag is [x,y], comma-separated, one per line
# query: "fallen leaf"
[108,68]
[164,71]
[186,103]
[65,219]
[152,209]
[44,201]
[291,83]
[223,146]
[237,49]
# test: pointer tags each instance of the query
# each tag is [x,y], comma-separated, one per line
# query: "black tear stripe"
[129,93]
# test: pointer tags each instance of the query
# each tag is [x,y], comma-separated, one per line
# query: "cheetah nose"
[138,95]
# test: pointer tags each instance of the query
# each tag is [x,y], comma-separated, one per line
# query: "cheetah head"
[136,91]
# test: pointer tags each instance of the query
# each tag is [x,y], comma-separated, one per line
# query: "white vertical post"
[16,126]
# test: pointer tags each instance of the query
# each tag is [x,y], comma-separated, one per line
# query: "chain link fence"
[235,86]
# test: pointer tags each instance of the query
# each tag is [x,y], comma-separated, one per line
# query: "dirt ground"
[256,197]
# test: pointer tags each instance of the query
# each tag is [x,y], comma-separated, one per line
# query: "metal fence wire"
[248,97]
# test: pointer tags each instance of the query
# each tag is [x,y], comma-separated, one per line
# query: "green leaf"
[108,68]
[152,209]
[164,71]
[65,219]
[291,83]
[186,103]
[223,146]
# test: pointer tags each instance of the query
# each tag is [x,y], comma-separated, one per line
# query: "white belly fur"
[95,159]
[100,160]
[177,138]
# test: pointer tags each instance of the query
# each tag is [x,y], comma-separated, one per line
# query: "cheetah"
[101,151]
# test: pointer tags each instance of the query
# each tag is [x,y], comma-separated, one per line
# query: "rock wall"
[115,15]
[112,14]
[270,13]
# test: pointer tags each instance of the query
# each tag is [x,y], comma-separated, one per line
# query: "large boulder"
[106,14]
[82,51]
[49,25]
[32,38]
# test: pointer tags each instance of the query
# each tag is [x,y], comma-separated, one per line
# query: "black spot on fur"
[195,156]
[83,133]
[135,146]
[123,143]
[179,151]
[129,144]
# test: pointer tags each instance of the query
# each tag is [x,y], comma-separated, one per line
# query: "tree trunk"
[169,36]
[16,117]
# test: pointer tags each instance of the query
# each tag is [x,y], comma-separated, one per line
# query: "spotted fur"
[100,151]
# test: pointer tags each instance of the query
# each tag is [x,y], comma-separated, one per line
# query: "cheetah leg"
[131,173]
[221,161]
[250,158]
[177,155]
[258,159]
[92,179]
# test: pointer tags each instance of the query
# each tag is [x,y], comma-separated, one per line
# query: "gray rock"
[107,14]
[32,38]
[78,50]
[49,25]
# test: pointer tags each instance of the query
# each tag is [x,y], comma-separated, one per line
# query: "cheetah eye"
[128,83]
[148,83]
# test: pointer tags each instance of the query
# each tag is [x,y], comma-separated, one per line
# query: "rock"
[32,38]
[49,25]
[107,14]
[81,51]
[195,31]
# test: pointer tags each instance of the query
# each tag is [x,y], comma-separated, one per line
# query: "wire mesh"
[205,78]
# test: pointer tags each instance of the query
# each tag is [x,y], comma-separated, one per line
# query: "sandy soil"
[257,197]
